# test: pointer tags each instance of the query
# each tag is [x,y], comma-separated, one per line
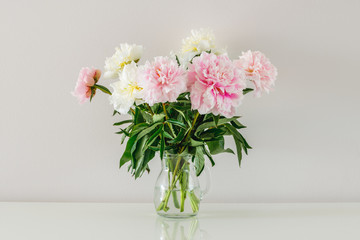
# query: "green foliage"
[102,88]
[177,60]
[123,122]
[247,90]
[199,160]
[218,146]
[180,130]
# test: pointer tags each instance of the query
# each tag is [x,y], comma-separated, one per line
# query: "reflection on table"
[179,229]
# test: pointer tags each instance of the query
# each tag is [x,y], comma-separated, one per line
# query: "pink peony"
[87,78]
[162,80]
[215,85]
[258,69]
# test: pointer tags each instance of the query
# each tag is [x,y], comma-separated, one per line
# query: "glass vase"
[177,191]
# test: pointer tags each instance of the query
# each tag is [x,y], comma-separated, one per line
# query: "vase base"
[175,215]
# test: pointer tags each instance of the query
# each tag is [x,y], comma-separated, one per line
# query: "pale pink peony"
[215,85]
[162,80]
[87,78]
[258,69]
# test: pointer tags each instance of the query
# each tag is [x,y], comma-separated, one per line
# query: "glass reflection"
[178,229]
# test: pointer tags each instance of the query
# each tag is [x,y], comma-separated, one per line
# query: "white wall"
[305,134]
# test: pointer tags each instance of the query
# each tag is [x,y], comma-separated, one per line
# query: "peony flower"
[162,80]
[122,56]
[126,91]
[258,69]
[199,41]
[87,78]
[202,40]
[215,85]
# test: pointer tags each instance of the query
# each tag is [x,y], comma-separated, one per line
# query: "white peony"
[201,40]
[123,55]
[126,91]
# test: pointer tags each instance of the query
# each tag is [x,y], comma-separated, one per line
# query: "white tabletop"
[108,221]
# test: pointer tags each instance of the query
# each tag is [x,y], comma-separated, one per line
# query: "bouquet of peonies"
[181,104]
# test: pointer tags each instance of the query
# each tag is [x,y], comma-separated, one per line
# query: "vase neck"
[170,161]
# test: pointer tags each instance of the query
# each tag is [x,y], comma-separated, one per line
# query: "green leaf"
[197,55]
[238,136]
[102,88]
[212,133]
[93,91]
[199,160]
[140,148]
[158,117]
[148,130]
[148,155]
[167,135]
[154,136]
[181,112]
[115,112]
[127,153]
[246,146]
[177,60]
[182,96]
[179,137]
[138,156]
[194,143]
[218,146]
[162,145]
[240,142]
[183,101]
[138,118]
[245,142]
[238,151]
[216,119]
[123,122]
[212,124]
[207,116]
[157,108]
[139,127]
[237,124]
[177,123]
[139,136]
[127,130]
[122,131]
[148,118]
[247,90]
[158,148]
[209,156]
[234,132]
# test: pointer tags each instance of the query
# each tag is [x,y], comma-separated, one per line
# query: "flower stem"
[175,199]
[150,110]
[164,203]
[167,117]
[176,174]
[183,196]
[194,201]
[189,133]
[183,148]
